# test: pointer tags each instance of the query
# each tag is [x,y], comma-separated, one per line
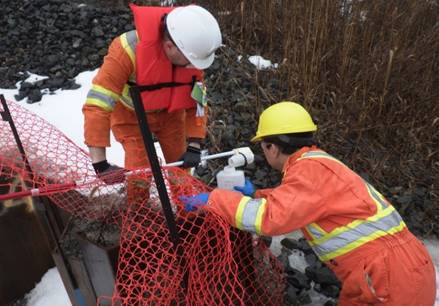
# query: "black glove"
[192,157]
[110,174]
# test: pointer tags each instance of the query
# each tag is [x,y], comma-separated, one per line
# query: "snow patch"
[261,63]
[33,78]
[49,291]
[297,260]
[63,109]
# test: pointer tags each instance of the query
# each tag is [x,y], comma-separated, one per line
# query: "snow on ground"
[261,63]
[49,291]
[63,110]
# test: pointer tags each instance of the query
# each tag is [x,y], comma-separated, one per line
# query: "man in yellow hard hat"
[350,226]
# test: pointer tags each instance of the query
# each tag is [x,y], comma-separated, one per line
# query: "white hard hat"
[196,33]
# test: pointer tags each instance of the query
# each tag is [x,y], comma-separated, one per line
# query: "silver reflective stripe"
[93,94]
[132,40]
[315,232]
[126,98]
[363,230]
[313,153]
[129,43]
[376,196]
[250,213]
[317,153]
[347,238]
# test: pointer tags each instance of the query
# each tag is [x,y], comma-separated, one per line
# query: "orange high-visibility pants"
[169,128]
[395,275]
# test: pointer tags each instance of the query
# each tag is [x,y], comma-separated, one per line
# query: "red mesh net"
[213,264]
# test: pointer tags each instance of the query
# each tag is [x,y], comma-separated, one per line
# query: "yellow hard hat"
[284,118]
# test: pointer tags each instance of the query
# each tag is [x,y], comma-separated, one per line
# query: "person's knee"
[135,154]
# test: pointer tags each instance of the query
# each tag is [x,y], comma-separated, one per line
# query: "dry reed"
[368,70]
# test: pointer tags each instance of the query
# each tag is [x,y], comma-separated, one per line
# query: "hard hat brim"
[256,139]
[201,64]
[307,129]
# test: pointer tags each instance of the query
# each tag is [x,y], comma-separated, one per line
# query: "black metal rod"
[6,115]
[154,162]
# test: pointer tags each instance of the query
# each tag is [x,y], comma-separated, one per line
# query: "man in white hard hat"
[166,53]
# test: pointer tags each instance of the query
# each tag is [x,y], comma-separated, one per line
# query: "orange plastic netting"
[213,264]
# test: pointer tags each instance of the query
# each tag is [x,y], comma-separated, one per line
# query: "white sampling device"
[229,177]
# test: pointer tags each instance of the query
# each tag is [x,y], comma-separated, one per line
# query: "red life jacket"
[153,68]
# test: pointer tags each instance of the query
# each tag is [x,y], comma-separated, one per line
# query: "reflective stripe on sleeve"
[315,231]
[249,214]
[102,97]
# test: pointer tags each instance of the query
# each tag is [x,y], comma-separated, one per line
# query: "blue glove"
[192,203]
[248,189]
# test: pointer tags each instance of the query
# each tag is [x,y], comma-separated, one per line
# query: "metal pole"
[148,141]
[6,116]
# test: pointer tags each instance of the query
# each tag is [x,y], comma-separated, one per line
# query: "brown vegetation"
[367,70]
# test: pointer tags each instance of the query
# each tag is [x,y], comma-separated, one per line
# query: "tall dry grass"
[368,70]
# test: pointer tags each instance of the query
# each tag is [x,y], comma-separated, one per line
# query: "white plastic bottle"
[229,177]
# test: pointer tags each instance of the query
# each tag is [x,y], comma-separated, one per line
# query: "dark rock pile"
[317,276]
[57,39]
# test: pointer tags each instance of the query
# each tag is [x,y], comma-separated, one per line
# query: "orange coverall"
[171,129]
[380,266]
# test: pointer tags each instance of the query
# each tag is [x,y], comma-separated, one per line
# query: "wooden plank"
[81,275]
[101,266]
